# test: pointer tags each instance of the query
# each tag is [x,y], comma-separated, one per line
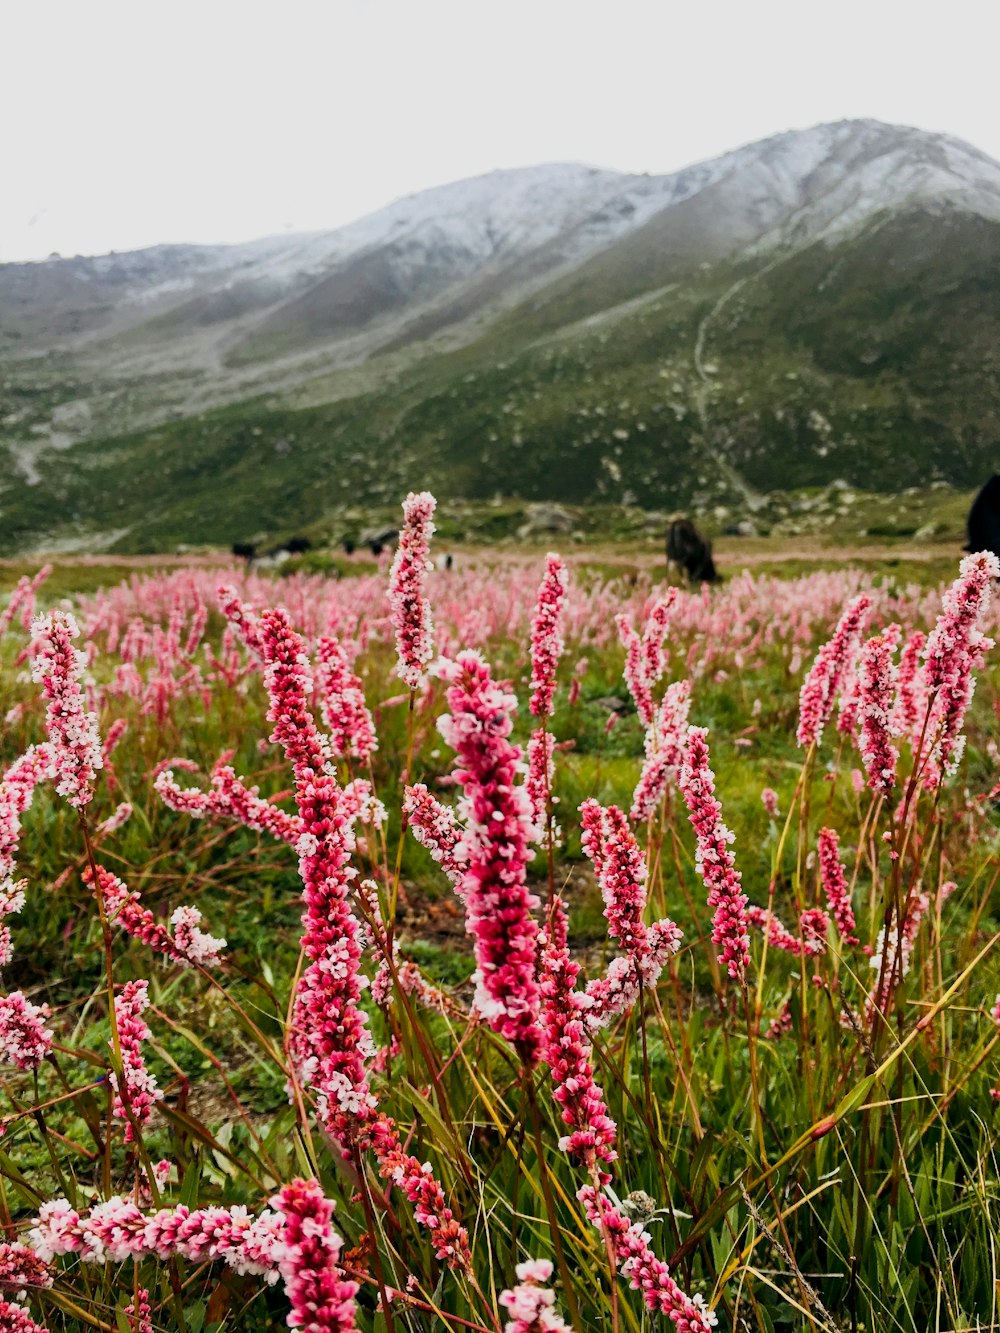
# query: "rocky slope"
[822,305]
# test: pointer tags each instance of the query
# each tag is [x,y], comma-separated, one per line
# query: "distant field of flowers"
[507,948]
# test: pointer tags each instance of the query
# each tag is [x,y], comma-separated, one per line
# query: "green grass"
[845,1200]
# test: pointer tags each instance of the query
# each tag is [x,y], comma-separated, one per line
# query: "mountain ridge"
[385,315]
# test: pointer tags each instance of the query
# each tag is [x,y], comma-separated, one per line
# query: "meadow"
[522,946]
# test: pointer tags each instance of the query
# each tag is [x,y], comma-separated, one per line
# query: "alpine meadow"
[519,946]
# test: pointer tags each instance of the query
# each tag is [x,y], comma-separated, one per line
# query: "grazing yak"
[690,551]
[245,551]
[984,519]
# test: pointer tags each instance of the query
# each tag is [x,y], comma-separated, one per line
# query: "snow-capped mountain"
[94,347]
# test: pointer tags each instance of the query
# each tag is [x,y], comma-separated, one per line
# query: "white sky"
[130,122]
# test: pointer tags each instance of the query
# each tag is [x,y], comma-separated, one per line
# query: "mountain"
[823,305]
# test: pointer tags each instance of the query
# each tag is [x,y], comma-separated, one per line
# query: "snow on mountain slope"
[174,329]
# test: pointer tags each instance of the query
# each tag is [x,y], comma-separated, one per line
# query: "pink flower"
[911,702]
[411,612]
[138,1312]
[877,693]
[819,691]
[17,789]
[328,1039]
[665,738]
[546,636]
[540,776]
[24,1039]
[813,925]
[499,827]
[644,658]
[188,944]
[58,667]
[618,990]
[621,873]
[954,650]
[769,800]
[241,617]
[566,1047]
[416,1180]
[435,827]
[342,703]
[21,1267]
[229,798]
[115,821]
[645,1272]
[781,1025]
[530,1304]
[834,883]
[713,859]
[15,1319]
[117,1230]
[321,1297]
[138,1093]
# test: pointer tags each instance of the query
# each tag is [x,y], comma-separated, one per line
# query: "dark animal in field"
[298,545]
[376,548]
[245,551]
[348,546]
[690,551]
[984,518]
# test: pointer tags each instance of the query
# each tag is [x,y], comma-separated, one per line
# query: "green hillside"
[873,362]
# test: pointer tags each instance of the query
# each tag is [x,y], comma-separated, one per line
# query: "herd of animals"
[688,550]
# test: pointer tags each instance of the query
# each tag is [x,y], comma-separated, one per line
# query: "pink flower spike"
[115,821]
[17,789]
[138,1312]
[531,1305]
[59,668]
[567,1049]
[636,671]
[328,1038]
[665,739]
[188,944]
[14,1318]
[435,827]
[241,617]
[876,699]
[654,633]
[713,859]
[342,703]
[21,1268]
[136,1096]
[499,828]
[819,691]
[835,888]
[24,1039]
[540,776]
[322,1299]
[546,636]
[954,650]
[411,612]
[622,875]
[645,1272]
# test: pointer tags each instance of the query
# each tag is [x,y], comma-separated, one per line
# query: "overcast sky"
[130,122]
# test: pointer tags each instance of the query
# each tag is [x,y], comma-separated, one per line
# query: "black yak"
[690,551]
[984,519]
[245,551]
